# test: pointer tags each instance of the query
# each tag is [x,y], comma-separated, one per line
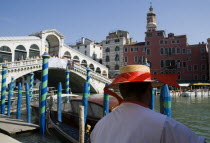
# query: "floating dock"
[11,127]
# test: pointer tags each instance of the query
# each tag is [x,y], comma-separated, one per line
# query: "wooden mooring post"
[81,125]
[85,100]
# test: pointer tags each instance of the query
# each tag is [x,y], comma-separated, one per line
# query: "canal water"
[192,112]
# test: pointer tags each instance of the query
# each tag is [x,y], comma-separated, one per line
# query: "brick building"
[169,53]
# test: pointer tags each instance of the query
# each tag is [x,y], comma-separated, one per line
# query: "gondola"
[65,132]
[69,128]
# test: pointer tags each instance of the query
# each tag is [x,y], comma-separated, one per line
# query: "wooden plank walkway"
[12,126]
[7,139]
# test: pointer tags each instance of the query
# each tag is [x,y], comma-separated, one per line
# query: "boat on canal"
[69,127]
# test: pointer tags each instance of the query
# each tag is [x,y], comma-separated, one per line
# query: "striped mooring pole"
[152,106]
[165,101]
[106,102]
[3,87]
[31,83]
[19,101]
[13,83]
[67,84]
[28,102]
[85,100]
[59,102]
[44,84]
[40,100]
[88,79]
[9,99]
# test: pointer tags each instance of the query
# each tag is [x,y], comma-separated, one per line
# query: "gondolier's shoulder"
[176,132]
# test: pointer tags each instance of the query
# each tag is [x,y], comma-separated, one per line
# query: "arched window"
[116,67]
[5,49]
[20,52]
[107,49]
[92,67]
[117,48]
[117,58]
[76,59]
[34,46]
[67,54]
[85,52]
[107,59]
[5,54]
[84,63]
[34,51]
[98,70]
[104,73]
[20,48]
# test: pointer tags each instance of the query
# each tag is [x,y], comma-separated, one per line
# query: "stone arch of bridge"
[56,75]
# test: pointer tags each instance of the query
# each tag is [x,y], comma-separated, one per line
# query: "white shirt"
[132,123]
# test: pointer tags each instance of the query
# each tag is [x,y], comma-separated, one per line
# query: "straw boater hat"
[139,73]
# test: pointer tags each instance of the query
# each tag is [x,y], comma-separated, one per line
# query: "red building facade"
[169,53]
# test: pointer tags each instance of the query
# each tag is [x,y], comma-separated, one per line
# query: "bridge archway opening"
[104,73]
[5,54]
[76,59]
[84,63]
[92,67]
[98,70]
[58,75]
[67,55]
[34,51]
[53,44]
[20,52]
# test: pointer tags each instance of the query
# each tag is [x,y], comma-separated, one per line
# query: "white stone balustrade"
[20,68]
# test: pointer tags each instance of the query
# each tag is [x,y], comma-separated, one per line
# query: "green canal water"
[192,112]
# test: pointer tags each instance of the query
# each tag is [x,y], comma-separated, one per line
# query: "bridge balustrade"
[31,64]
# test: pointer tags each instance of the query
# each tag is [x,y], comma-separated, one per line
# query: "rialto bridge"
[24,56]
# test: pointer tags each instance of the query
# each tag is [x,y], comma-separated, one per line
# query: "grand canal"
[192,112]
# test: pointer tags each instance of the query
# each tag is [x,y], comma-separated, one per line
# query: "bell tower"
[151,20]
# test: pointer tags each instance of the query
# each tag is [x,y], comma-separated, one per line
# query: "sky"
[94,19]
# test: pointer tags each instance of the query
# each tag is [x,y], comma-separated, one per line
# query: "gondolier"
[132,121]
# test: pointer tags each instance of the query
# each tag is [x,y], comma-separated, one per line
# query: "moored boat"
[70,113]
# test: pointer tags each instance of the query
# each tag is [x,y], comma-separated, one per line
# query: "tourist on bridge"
[132,121]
